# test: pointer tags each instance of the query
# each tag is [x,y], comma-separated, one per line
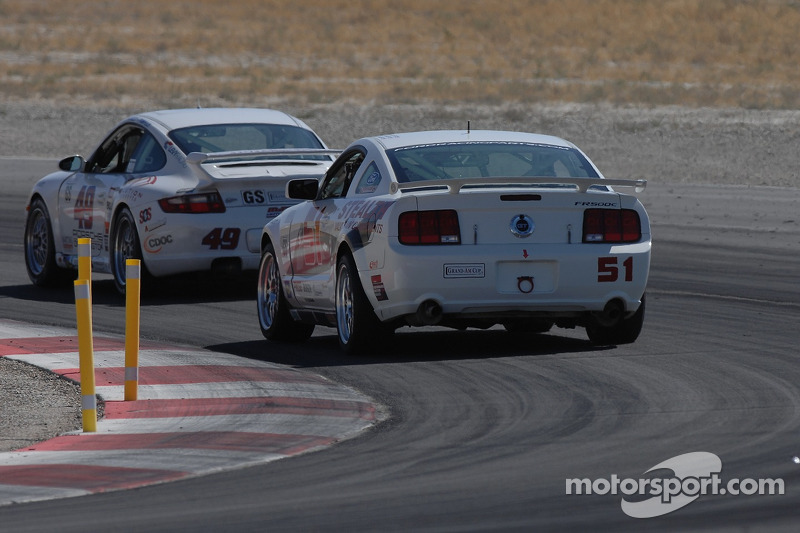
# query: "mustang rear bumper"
[486,281]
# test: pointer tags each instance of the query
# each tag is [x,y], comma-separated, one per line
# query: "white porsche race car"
[184,190]
[460,229]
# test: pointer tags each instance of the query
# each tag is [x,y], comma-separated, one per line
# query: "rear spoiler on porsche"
[455,185]
[210,167]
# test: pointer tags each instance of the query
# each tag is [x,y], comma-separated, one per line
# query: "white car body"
[224,172]
[518,256]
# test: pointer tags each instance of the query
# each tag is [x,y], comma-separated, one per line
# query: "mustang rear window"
[487,159]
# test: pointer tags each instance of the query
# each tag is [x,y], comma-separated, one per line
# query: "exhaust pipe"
[429,313]
[612,314]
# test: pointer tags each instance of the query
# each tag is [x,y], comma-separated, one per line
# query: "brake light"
[611,225]
[429,227]
[193,203]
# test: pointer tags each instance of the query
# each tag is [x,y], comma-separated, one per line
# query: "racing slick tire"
[625,331]
[40,250]
[125,245]
[273,310]
[357,324]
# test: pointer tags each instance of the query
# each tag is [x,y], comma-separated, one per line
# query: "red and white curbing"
[197,412]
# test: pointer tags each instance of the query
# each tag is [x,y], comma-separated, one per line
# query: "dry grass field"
[710,53]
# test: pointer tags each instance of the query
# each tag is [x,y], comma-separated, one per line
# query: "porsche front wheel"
[40,250]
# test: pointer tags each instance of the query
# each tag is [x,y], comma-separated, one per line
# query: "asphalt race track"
[485,428]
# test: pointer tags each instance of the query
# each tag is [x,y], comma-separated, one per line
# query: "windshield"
[487,159]
[231,137]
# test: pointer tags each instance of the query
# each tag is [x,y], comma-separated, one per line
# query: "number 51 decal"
[607,269]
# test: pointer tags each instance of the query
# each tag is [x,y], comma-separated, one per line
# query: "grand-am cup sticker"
[464,270]
[222,239]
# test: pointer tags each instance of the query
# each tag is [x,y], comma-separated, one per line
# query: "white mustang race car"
[183,190]
[460,229]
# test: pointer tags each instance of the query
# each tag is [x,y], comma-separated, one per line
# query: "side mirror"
[302,189]
[72,164]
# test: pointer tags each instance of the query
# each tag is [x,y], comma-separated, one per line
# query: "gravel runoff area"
[660,144]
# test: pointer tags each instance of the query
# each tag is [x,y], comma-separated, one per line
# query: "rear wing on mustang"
[234,164]
[455,185]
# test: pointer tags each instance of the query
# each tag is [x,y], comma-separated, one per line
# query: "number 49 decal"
[608,269]
[225,239]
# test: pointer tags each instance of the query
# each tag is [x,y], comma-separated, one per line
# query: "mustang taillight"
[429,227]
[611,225]
[193,203]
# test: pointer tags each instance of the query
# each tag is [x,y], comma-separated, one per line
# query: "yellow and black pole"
[83,306]
[133,276]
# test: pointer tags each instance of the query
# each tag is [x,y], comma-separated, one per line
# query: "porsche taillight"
[193,203]
[429,227]
[611,225]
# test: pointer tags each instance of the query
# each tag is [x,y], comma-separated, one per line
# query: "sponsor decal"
[142,182]
[173,150]
[154,225]
[378,288]
[275,210]
[145,215]
[464,270]
[155,244]
[277,197]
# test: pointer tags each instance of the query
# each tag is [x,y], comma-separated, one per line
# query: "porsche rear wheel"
[273,310]
[357,324]
[40,250]
[124,245]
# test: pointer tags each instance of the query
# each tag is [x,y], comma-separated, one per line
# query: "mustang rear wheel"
[356,322]
[624,332]
[40,250]
[273,309]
